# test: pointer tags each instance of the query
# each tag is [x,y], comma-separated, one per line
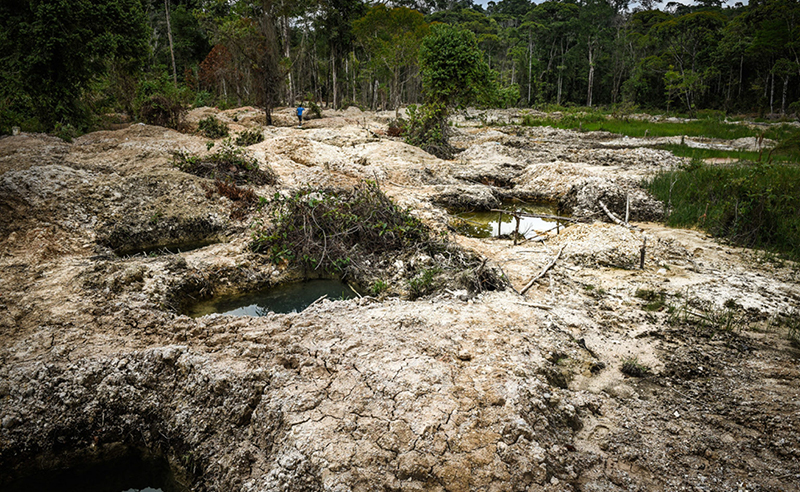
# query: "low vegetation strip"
[754,205]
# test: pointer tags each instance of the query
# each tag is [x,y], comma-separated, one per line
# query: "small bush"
[323,229]
[315,109]
[161,110]
[249,137]
[211,127]
[632,367]
[427,129]
[357,232]
[229,163]
[65,132]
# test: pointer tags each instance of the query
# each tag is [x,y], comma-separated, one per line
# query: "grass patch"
[753,205]
[229,164]
[787,136]
[707,315]
[711,128]
[654,300]
[632,367]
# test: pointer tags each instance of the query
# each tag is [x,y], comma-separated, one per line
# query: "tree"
[453,74]
[50,51]
[392,37]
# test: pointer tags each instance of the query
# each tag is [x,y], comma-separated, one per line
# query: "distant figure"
[300,109]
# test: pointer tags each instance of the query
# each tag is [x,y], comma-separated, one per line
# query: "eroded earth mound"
[104,242]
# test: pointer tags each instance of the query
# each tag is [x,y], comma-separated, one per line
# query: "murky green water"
[487,224]
[285,298]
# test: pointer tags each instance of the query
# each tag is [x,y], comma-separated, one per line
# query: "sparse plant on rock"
[249,137]
[211,127]
[632,367]
[228,163]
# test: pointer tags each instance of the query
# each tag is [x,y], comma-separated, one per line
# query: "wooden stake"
[627,207]
[642,251]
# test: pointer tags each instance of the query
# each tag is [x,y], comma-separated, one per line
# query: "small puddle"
[131,472]
[285,298]
[488,224]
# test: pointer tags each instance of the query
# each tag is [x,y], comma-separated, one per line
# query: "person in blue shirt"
[300,110]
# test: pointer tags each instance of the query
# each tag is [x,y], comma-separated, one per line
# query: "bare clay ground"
[455,392]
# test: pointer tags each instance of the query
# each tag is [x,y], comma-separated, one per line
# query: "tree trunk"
[530,67]
[333,80]
[783,100]
[591,75]
[287,52]
[772,95]
[171,49]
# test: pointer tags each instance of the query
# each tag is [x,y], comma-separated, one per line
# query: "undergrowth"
[249,137]
[753,205]
[229,163]
[427,129]
[211,127]
[243,199]
[359,233]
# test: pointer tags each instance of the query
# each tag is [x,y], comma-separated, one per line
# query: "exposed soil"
[451,392]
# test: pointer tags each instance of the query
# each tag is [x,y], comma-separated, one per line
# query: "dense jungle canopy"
[66,62]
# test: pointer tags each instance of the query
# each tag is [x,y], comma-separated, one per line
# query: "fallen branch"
[614,218]
[544,271]
[534,305]
[316,302]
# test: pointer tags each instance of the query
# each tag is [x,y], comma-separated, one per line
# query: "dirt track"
[452,392]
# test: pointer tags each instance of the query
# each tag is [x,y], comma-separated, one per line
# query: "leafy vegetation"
[249,137]
[754,205]
[212,127]
[326,229]
[351,232]
[228,164]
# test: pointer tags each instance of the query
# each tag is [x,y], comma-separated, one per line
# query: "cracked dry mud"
[494,392]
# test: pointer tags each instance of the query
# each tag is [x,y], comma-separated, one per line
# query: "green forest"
[65,63]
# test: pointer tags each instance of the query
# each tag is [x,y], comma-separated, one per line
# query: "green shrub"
[423,284]
[228,163]
[65,132]
[211,127]
[249,137]
[426,128]
[324,228]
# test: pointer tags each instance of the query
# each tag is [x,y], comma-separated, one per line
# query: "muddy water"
[286,298]
[488,224]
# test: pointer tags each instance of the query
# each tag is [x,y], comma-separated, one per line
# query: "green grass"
[787,136]
[766,156]
[753,205]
